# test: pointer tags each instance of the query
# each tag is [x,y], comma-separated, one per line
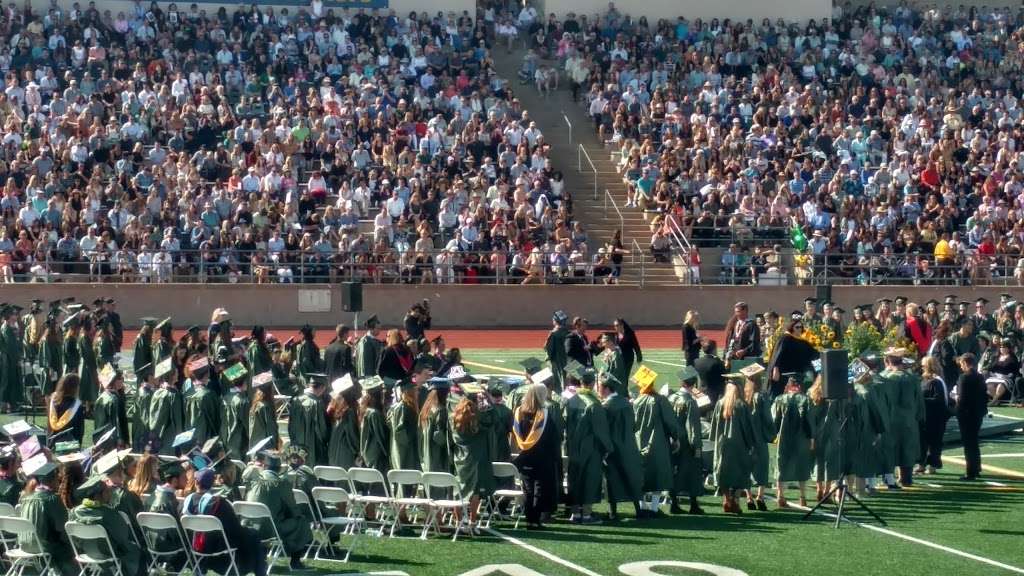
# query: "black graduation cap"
[171,469]
[109,300]
[97,302]
[213,447]
[884,300]
[1004,297]
[37,306]
[796,315]
[931,302]
[810,300]
[531,365]
[950,299]
[901,299]
[104,438]
[839,310]
[148,321]
[316,378]
[981,301]
[372,321]
[423,363]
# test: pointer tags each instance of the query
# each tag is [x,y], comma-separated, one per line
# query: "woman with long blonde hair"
[471,437]
[146,475]
[732,431]
[691,338]
[539,454]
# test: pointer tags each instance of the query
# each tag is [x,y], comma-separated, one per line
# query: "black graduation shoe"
[751,505]
[761,505]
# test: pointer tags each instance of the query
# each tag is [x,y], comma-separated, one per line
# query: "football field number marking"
[648,568]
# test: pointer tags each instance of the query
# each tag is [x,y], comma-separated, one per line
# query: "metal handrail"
[581,153]
[639,252]
[609,198]
[682,243]
[569,124]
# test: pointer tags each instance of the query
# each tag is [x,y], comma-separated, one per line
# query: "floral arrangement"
[865,338]
[822,337]
[895,337]
[773,339]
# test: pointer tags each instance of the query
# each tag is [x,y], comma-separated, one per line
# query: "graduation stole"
[56,423]
[533,435]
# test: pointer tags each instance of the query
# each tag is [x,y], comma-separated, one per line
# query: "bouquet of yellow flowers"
[895,337]
[822,337]
[773,339]
[862,338]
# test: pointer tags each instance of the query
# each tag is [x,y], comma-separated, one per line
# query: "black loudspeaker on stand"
[834,379]
[352,296]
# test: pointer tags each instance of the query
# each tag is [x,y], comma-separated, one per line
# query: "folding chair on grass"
[457,504]
[102,557]
[514,495]
[406,487]
[259,513]
[363,494]
[328,500]
[153,525]
[19,558]
[207,525]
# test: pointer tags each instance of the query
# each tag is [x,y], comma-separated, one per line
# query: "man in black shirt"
[711,371]
[971,407]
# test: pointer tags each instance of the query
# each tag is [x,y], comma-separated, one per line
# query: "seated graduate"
[271,489]
[165,501]
[41,506]
[251,555]
[96,510]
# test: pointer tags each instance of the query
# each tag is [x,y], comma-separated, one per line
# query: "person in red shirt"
[918,329]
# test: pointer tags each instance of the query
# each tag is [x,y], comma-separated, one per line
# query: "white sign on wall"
[314,300]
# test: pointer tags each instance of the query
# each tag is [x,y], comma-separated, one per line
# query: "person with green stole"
[281,368]
[343,420]
[792,421]
[373,428]
[234,422]
[614,364]
[111,467]
[555,349]
[299,474]
[51,357]
[164,501]
[12,385]
[470,427]
[87,369]
[403,427]
[307,355]
[586,442]
[907,413]
[624,472]
[203,408]
[872,424]
[166,409]
[258,354]
[41,506]
[369,349]
[69,349]
[110,409]
[275,492]
[436,442]
[263,412]
[732,431]
[501,447]
[688,455]
[164,346]
[32,325]
[307,422]
[142,351]
[104,343]
[656,430]
[764,430]
[96,510]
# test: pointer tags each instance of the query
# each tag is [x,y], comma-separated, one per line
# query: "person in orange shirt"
[944,256]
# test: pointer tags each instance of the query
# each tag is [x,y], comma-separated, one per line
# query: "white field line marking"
[543,553]
[664,363]
[923,542]
[1017,455]
[934,485]
[1008,417]
[491,367]
[996,484]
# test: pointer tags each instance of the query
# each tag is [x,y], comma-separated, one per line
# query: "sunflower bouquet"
[862,338]
[822,337]
[773,338]
[895,337]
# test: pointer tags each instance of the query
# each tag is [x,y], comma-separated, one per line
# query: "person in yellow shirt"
[944,255]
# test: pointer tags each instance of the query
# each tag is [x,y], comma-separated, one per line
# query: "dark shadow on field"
[1002,532]
[625,531]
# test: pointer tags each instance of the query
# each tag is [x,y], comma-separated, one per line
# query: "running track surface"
[528,339]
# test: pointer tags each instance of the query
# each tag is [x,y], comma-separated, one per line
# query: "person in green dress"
[41,506]
[104,343]
[764,430]
[907,412]
[373,429]
[656,430]
[96,510]
[343,420]
[732,431]
[872,424]
[403,427]
[555,348]
[471,446]
[32,325]
[51,356]
[274,491]
[164,346]
[688,454]
[586,444]
[307,355]
[263,412]
[142,351]
[624,472]
[164,501]
[12,386]
[369,349]
[203,407]
[259,354]
[792,421]
[307,422]
[234,422]
[110,409]
[614,364]
[166,409]
[140,415]
[436,441]
[87,368]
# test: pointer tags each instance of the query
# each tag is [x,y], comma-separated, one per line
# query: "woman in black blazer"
[628,344]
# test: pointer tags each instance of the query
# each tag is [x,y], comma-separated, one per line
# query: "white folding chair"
[332,475]
[457,505]
[302,500]
[131,528]
[203,524]
[259,513]
[7,539]
[406,487]
[19,558]
[153,525]
[328,499]
[508,472]
[93,564]
[361,483]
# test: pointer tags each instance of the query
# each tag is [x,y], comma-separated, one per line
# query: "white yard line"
[934,485]
[542,553]
[664,363]
[996,484]
[1016,455]
[1007,417]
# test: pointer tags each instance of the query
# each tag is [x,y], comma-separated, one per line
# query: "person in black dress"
[971,407]
[691,340]
[539,454]
[396,362]
[936,413]
[628,344]
[792,354]
[66,414]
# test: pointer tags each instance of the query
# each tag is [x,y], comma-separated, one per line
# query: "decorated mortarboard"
[71,320]
[372,383]
[340,385]
[7,452]
[29,447]
[166,322]
[67,447]
[574,369]
[372,321]
[108,374]
[531,365]
[560,317]
[752,370]
[471,388]
[439,383]
[163,368]
[541,376]
[198,367]
[107,463]
[497,387]
[104,437]
[91,487]
[17,429]
[235,372]
[171,469]
[644,376]
[38,466]
[1010,305]
[295,451]
[263,378]
[796,315]
[212,446]
[895,352]
[687,373]
[183,438]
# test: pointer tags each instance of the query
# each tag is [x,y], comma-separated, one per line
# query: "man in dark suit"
[746,337]
[577,346]
[711,371]
[971,407]
[338,359]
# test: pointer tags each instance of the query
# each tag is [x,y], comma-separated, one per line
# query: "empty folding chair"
[329,500]
[513,493]
[368,488]
[6,538]
[209,525]
[164,541]
[405,495]
[19,558]
[259,513]
[332,475]
[457,505]
[302,500]
[93,550]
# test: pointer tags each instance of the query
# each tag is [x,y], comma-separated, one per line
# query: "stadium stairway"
[598,214]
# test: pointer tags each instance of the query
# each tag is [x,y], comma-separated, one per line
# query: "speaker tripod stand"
[843,490]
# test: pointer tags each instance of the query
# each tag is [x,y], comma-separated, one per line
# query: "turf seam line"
[544,553]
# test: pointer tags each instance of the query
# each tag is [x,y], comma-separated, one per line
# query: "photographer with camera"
[417,322]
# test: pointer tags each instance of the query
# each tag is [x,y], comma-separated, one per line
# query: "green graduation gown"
[688,459]
[734,440]
[307,360]
[93,513]
[830,445]
[624,472]
[343,446]
[656,428]
[142,358]
[259,357]
[292,524]
[368,353]
[791,416]
[555,349]
[88,387]
[374,441]
[11,381]
[107,412]
[47,514]
[165,502]
[435,450]
[587,442]
[104,350]
[123,500]
[764,431]
[140,417]
[907,415]
[166,417]
[203,412]
[872,423]
[263,424]
[307,427]
[51,359]
[501,447]
[10,490]
[162,349]
[614,364]
[70,355]
[234,424]
[471,453]
[403,428]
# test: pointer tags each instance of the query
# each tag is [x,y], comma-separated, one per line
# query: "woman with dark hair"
[943,349]
[51,356]
[628,344]
[258,353]
[66,417]
[397,360]
[373,429]
[262,416]
[436,443]
[452,359]
[307,355]
[343,416]
[539,454]
[792,354]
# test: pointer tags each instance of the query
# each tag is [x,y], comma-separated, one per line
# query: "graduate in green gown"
[343,421]
[104,344]
[435,435]
[88,389]
[764,430]
[234,422]
[166,409]
[688,454]
[872,424]
[369,349]
[110,410]
[12,386]
[792,420]
[203,407]
[69,348]
[164,501]
[307,420]
[586,443]
[164,346]
[624,472]
[830,443]
[140,414]
[300,475]
[307,355]
[41,506]
[110,469]
[97,509]
[373,429]
[259,354]
[403,427]
[273,490]
[501,446]
[907,413]
[51,356]
[142,351]
[614,364]
[732,431]
[10,485]
[656,430]
[263,413]
[555,349]
[470,426]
